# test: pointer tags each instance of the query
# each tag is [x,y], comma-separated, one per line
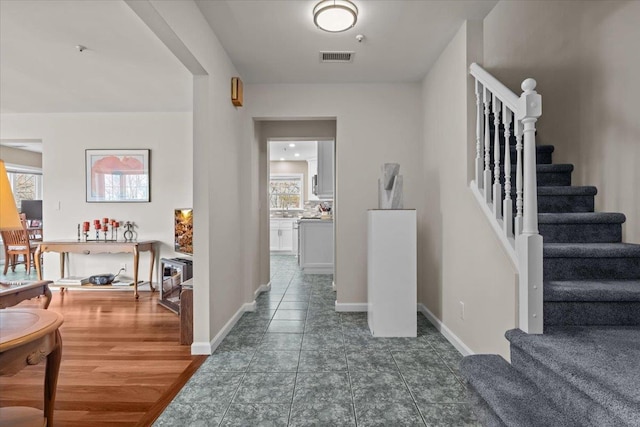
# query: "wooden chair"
[16,243]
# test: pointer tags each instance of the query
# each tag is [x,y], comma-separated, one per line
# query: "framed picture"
[116,176]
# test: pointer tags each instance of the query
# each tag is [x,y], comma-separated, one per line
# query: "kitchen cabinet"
[316,246]
[281,234]
[325,170]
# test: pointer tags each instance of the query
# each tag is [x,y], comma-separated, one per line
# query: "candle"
[117,224]
[85,226]
[105,220]
[97,225]
[105,228]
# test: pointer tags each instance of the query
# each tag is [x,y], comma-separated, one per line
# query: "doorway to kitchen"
[301,204]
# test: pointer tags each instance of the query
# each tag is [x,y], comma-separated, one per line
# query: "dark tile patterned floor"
[296,362]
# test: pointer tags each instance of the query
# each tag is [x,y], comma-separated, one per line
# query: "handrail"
[497,106]
[497,88]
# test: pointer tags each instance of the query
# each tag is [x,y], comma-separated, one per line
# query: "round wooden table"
[28,337]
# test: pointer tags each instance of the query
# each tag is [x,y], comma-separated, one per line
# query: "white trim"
[210,347]
[508,243]
[356,306]
[261,289]
[446,332]
[333,286]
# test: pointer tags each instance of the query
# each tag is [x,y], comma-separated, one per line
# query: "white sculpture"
[390,187]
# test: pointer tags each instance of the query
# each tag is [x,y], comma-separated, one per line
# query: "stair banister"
[522,239]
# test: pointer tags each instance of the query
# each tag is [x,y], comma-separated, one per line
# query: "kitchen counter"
[316,245]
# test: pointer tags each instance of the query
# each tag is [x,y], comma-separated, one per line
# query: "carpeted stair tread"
[512,399]
[568,191]
[591,250]
[581,218]
[601,362]
[592,291]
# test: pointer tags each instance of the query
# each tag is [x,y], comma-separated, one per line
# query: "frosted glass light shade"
[9,216]
[335,16]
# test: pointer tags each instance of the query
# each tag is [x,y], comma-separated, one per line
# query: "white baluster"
[497,187]
[519,202]
[529,243]
[479,169]
[507,206]
[487,146]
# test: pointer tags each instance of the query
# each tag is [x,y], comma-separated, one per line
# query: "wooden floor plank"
[121,361]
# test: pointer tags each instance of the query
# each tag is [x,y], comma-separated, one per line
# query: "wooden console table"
[65,247]
[28,337]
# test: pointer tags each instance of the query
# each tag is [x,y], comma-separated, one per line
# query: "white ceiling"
[126,67]
[275,41]
[281,150]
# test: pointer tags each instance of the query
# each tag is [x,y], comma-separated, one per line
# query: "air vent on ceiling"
[336,56]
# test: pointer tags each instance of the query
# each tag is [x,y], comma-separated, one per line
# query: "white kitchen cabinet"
[325,170]
[281,234]
[316,246]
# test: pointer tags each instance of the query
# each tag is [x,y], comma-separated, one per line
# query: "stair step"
[504,397]
[566,199]
[544,153]
[546,175]
[586,261]
[586,227]
[590,373]
[606,302]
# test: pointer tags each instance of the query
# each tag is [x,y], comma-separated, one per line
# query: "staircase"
[585,369]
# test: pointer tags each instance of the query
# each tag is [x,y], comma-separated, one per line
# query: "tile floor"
[296,362]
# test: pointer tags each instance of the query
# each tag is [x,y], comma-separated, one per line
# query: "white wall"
[460,257]
[583,55]
[65,138]
[376,124]
[223,282]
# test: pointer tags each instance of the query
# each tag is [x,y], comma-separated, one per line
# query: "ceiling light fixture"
[282,159]
[292,145]
[297,155]
[335,16]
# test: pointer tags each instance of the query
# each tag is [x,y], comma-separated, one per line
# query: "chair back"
[16,239]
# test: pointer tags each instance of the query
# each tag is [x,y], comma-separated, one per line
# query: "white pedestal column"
[392,272]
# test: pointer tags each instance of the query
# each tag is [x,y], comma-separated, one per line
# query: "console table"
[28,337]
[65,247]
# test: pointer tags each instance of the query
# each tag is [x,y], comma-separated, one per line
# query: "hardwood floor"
[121,361]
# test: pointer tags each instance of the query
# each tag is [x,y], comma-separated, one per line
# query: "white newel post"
[479,169]
[487,146]
[529,243]
[497,188]
[507,204]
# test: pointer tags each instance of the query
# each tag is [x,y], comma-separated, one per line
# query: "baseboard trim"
[261,289]
[446,332]
[356,306]
[210,347]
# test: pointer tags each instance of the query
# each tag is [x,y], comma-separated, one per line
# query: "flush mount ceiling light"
[335,16]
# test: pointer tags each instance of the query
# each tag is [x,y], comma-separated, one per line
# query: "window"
[285,191]
[25,186]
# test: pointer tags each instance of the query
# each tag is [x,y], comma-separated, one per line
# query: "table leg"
[47,296]
[37,261]
[62,264]
[51,379]
[136,258]
[153,259]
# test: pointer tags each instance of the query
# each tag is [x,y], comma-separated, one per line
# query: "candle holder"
[104,225]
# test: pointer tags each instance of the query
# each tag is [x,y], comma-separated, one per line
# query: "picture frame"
[117,176]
